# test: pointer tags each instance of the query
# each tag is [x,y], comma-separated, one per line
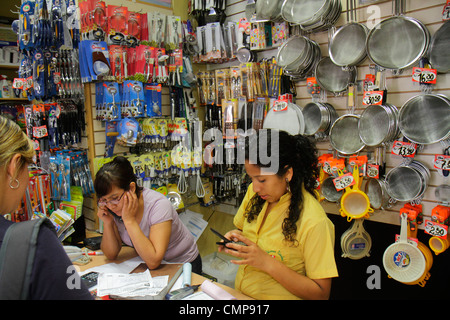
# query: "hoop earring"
[288,188]
[16,181]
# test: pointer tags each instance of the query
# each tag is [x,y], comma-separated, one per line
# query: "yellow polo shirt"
[313,257]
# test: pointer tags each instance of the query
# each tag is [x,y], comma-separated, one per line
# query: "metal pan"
[425,119]
[397,42]
[333,78]
[439,50]
[347,46]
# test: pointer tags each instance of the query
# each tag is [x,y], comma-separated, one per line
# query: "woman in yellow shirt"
[289,240]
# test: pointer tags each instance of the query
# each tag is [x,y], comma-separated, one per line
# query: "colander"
[402,260]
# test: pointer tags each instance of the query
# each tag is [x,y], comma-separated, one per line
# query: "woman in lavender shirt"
[141,218]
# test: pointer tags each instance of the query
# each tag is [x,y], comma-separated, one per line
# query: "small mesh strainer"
[344,135]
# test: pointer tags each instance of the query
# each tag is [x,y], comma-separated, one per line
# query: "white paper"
[122,284]
[124,267]
[198,296]
[194,222]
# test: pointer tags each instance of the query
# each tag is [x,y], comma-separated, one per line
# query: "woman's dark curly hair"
[296,152]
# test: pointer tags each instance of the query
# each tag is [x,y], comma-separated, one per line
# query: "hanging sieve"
[318,117]
[378,124]
[268,10]
[397,42]
[329,191]
[344,135]
[376,190]
[402,260]
[407,182]
[311,15]
[355,204]
[347,46]
[425,118]
[333,78]
[439,50]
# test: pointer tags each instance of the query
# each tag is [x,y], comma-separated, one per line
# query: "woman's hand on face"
[250,254]
[105,216]
[130,206]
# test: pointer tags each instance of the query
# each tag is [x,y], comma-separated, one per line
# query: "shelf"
[9,66]
[13,99]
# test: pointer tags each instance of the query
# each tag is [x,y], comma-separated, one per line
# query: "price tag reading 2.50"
[436,229]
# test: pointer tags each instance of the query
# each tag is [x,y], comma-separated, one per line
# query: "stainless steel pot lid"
[333,78]
[397,42]
[348,45]
[439,50]
[344,135]
[425,119]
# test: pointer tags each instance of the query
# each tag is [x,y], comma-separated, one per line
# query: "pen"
[95,253]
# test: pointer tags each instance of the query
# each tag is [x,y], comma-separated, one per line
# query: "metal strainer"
[407,182]
[425,118]
[378,124]
[344,135]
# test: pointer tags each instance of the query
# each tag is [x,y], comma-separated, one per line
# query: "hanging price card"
[424,75]
[441,162]
[436,229]
[373,97]
[344,181]
[404,149]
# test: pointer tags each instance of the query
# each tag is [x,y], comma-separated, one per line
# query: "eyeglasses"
[113,202]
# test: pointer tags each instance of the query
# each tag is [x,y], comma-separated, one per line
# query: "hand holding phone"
[225,240]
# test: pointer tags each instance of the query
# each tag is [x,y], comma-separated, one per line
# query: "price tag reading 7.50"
[436,229]
[344,181]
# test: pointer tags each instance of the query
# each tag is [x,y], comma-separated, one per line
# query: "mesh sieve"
[344,135]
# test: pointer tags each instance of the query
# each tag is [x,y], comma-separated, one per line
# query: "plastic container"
[219,266]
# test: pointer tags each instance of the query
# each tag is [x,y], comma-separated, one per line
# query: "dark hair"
[119,173]
[297,152]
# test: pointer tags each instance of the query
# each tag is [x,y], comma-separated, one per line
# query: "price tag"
[404,149]
[373,171]
[40,132]
[424,75]
[441,162]
[436,229]
[344,181]
[373,97]
[18,83]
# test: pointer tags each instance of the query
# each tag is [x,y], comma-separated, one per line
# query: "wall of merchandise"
[400,88]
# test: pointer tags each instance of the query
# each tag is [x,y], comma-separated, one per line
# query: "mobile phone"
[225,240]
[90,279]
[114,214]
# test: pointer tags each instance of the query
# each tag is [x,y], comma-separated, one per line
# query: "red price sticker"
[436,229]
[344,181]
[424,75]
[404,149]
[441,162]
[373,97]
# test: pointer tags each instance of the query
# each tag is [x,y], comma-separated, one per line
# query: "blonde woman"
[52,274]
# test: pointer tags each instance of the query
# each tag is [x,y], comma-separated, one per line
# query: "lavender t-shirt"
[157,209]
